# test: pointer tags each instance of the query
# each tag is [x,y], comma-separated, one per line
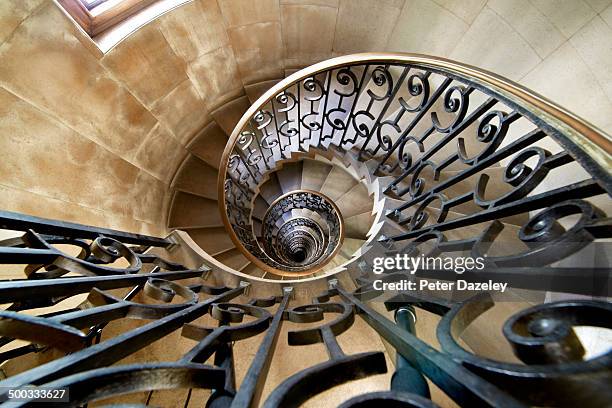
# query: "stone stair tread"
[271,189]
[257,227]
[350,246]
[314,174]
[337,183]
[347,167]
[252,269]
[338,260]
[192,210]
[212,240]
[196,177]
[233,259]
[290,177]
[355,201]
[260,207]
[254,91]
[209,144]
[228,115]
[357,226]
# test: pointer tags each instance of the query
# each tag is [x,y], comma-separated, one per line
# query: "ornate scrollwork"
[381,77]
[452,104]
[263,118]
[346,77]
[475,166]
[300,243]
[287,99]
[417,85]
[90,261]
[410,136]
[313,86]
[543,338]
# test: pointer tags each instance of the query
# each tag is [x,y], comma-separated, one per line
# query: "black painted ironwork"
[399,120]
[458,155]
[471,170]
[542,337]
[301,230]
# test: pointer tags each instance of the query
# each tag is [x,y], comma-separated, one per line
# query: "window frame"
[90,4]
[94,23]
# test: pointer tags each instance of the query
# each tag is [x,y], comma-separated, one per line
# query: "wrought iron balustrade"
[302,230]
[458,148]
[466,159]
[553,373]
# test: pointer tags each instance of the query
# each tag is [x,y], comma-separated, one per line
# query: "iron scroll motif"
[447,141]
[157,294]
[468,166]
[473,164]
[303,242]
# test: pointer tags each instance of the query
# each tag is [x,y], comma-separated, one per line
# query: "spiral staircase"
[368,182]
[194,203]
[292,192]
